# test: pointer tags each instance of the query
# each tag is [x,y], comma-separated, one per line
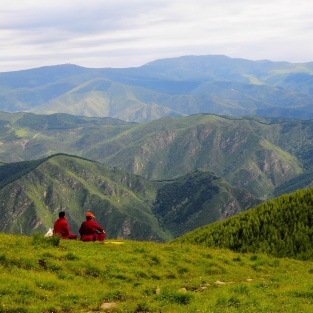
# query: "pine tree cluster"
[281,227]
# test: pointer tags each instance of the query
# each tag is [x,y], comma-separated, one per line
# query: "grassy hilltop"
[42,275]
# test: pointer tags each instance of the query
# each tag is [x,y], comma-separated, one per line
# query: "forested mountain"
[169,87]
[282,227]
[128,206]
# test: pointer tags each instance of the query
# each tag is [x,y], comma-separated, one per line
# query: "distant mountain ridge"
[169,87]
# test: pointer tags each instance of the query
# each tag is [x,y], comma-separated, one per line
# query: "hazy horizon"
[122,34]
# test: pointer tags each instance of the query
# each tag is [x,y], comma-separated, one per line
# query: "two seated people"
[89,230]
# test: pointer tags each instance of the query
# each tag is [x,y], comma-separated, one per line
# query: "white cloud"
[123,33]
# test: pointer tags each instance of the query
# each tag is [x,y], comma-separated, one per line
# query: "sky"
[131,33]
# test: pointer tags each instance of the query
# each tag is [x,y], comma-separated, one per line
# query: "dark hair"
[61,214]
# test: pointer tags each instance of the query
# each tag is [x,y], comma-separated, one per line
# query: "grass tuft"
[40,239]
[173,296]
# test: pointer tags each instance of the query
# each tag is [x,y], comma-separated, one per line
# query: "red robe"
[61,227]
[91,231]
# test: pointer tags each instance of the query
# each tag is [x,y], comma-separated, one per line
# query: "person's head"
[62,214]
[89,216]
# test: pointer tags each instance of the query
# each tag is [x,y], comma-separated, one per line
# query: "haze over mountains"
[169,87]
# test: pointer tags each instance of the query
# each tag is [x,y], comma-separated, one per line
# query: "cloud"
[123,33]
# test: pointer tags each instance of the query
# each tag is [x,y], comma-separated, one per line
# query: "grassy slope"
[146,277]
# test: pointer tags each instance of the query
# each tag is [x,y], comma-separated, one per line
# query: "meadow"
[40,274]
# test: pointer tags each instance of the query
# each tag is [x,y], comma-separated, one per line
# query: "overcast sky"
[127,33]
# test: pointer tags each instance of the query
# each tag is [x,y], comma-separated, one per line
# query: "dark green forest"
[281,227]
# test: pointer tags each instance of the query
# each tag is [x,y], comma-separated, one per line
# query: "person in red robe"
[90,230]
[62,228]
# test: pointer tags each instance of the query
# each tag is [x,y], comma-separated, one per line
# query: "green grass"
[47,275]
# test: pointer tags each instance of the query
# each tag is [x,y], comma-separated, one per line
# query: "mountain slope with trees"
[282,227]
[236,149]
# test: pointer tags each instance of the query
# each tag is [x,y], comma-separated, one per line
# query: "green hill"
[43,275]
[101,97]
[282,227]
[248,153]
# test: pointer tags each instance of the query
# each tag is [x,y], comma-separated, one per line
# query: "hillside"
[169,87]
[246,152]
[282,227]
[26,136]
[196,199]
[121,202]
[126,205]
[41,275]
[257,154]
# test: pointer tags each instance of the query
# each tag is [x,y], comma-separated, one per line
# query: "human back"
[90,230]
[62,228]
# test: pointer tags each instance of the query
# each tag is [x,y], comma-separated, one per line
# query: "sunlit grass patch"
[74,276]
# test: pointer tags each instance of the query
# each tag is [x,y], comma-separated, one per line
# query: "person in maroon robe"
[90,230]
[62,228]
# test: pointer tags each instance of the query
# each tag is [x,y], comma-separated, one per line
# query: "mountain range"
[128,206]
[180,173]
[154,151]
[169,87]
[266,156]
